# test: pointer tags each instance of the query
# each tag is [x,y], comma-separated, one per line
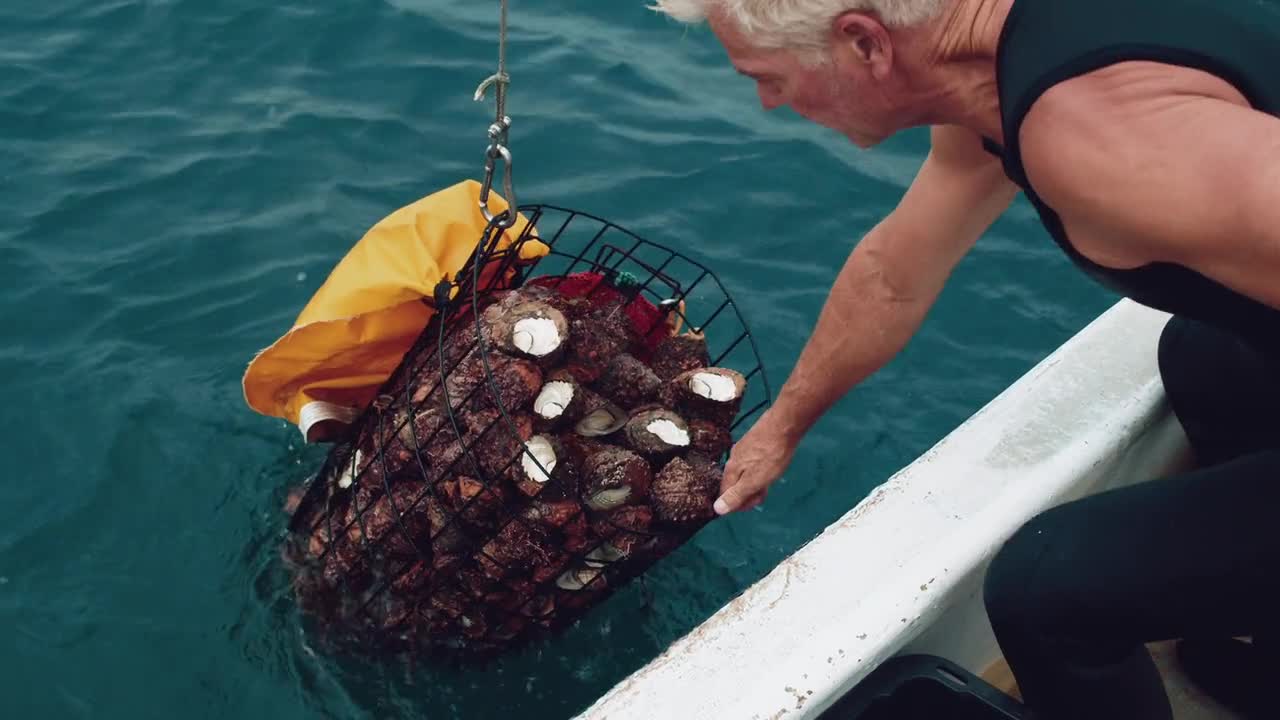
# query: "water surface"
[179,176]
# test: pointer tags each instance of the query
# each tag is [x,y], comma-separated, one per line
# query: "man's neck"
[957,79]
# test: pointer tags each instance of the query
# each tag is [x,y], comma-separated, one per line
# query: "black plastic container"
[924,687]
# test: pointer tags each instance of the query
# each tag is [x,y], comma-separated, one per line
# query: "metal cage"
[411,537]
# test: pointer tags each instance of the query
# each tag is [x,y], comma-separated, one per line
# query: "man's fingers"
[733,498]
[732,473]
[754,500]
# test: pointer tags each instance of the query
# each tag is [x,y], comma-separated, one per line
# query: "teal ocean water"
[178,176]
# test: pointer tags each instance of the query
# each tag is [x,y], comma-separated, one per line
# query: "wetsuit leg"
[1225,393]
[1079,590]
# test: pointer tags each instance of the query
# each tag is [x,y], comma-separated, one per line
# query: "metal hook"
[493,79]
[509,216]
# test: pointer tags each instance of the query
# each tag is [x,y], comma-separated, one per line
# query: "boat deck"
[1189,703]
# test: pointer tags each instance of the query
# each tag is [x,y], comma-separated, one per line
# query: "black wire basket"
[559,426]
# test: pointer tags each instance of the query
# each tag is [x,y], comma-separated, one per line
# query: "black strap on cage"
[442,295]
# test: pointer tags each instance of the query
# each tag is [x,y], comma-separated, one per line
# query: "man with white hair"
[1145,133]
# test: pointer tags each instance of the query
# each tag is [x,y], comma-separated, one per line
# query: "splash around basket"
[547,439]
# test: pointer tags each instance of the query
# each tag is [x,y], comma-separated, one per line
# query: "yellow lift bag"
[359,324]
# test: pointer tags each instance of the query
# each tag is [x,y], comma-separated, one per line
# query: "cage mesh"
[454,515]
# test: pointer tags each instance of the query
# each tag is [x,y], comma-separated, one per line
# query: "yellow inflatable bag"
[373,306]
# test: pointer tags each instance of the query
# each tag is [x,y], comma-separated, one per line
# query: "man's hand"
[755,463]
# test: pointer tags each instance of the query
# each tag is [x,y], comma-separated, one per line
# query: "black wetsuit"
[1078,590]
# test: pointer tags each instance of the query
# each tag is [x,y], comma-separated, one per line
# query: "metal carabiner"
[509,217]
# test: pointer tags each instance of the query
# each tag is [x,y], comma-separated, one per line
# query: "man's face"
[840,92]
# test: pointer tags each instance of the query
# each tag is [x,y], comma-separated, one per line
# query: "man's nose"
[769,99]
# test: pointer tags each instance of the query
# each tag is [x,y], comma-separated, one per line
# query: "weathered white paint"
[902,571]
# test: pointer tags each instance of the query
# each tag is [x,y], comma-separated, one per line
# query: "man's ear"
[867,41]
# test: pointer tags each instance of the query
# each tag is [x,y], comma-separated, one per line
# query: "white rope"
[505,79]
[501,78]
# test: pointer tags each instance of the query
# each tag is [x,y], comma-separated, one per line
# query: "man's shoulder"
[1099,119]
[1069,125]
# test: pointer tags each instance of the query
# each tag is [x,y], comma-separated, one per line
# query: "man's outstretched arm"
[877,302]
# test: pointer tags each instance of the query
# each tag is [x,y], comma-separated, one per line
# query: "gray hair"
[798,24]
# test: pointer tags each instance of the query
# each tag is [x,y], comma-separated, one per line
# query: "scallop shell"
[600,417]
[580,577]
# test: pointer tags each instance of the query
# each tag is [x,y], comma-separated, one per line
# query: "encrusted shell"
[713,394]
[614,477]
[628,518]
[553,513]
[511,384]
[560,402]
[554,565]
[383,523]
[685,491]
[448,539]
[578,449]
[625,528]
[516,549]
[679,354]
[628,382]
[526,328]
[477,503]
[709,439]
[499,449]
[541,470]
[657,433]
[414,579]
[462,381]
[594,342]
